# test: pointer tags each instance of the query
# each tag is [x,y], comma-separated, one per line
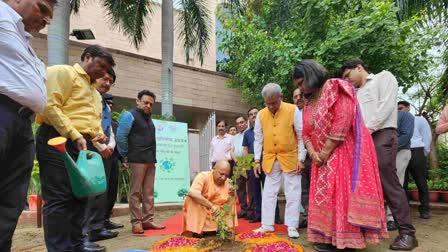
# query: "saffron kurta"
[197,218]
[346,199]
[279,138]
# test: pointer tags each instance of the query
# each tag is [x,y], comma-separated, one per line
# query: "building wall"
[92,15]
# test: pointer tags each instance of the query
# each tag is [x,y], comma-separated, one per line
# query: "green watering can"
[87,176]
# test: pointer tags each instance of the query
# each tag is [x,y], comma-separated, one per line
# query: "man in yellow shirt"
[278,131]
[73,111]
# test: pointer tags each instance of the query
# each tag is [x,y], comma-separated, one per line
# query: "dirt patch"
[431,234]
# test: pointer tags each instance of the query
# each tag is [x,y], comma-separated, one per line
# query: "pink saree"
[346,199]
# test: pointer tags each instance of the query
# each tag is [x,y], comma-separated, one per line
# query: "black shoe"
[198,236]
[404,242]
[425,215]
[303,223]
[248,217]
[242,215]
[255,220]
[392,226]
[323,247]
[103,234]
[112,225]
[92,247]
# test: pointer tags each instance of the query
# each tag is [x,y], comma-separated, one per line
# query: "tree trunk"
[167,57]
[58,34]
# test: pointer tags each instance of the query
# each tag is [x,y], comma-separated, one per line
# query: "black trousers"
[386,145]
[306,179]
[99,208]
[418,168]
[112,184]
[16,163]
[245,190]
[63,213]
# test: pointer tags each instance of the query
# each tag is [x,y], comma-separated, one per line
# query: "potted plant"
[434,193]
[412,188]
[444,190]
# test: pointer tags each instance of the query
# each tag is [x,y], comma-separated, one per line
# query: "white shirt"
[22,73]
[220,148]
[378,101]
[422,136]
[111,144]
[238,143]
[298,123]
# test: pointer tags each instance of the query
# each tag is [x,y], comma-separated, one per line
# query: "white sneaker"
[264,229]
[293,233]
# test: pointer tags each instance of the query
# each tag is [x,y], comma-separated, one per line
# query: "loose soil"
[432,236]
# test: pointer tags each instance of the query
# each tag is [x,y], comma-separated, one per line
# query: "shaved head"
[221,172]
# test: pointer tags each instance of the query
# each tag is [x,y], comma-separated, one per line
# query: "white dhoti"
[293,194]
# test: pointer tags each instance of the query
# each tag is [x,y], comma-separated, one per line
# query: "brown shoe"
[152,225]
[137,229]
[404,242]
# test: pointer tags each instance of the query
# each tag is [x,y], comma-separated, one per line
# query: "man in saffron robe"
[208,193]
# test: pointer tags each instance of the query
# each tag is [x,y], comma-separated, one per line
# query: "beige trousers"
[142,191]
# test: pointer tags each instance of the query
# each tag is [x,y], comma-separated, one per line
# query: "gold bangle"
[257,161]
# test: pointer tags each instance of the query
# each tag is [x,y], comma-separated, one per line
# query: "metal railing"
[205,137]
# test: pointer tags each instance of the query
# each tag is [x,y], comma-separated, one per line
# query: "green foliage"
[438,185]
[220,217]
[442,154]
[263,45]
[412,186]
[35,185]
[243,164]
[124,183]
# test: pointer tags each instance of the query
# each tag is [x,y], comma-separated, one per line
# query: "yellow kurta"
[279,138]
[196,217]
[73,105]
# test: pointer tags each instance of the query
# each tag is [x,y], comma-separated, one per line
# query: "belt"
[16,107]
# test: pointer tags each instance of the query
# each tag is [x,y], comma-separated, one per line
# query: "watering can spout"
[87,176]
[59,144]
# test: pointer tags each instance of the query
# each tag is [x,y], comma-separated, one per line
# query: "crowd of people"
[325,148]
[344,150]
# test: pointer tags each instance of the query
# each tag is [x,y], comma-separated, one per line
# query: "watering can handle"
[89,155]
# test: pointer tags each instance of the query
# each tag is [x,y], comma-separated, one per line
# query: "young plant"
[243,164]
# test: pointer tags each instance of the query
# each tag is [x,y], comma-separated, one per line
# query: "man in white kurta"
[278,131]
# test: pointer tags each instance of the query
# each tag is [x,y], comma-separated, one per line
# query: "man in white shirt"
[420,148]
[377,97]
[278,131]
[247,208]
[22,93]
[221,146]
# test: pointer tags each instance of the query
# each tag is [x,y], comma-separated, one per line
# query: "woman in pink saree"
[346,209]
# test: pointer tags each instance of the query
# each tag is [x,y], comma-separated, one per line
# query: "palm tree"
[132,17]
